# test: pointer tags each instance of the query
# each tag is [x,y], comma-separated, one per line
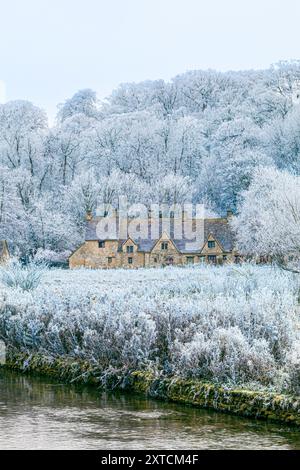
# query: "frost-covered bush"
[25,277]
[292,372]
[50,256]
[232,325]
[227,357]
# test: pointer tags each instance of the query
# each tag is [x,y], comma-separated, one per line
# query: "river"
[37,413]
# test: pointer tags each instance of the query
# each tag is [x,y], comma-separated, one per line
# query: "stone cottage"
[217,247]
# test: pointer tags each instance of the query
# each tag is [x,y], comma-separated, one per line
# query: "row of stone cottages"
[165,250]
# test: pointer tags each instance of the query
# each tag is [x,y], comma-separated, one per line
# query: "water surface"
[37,413]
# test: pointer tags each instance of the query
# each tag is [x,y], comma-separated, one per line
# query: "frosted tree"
[83,102]
[131,143]
[173,189]
[83,195]
[185,146]
[282,139]
[68,147]
[22,127]
[268,223]
[226,170]
[201,135]
[131,97]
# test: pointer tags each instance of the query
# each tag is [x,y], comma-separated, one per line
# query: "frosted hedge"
[231,325]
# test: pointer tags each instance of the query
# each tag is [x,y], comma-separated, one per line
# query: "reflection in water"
[40,414]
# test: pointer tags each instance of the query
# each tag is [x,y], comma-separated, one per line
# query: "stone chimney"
[89,216]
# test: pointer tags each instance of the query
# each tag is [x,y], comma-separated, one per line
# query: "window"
[169,261]
[130,260]
[164,246]
[109,260]
[101,244]
[211,244]
[130,249]
[155,260]
[105,214]
[190,259]
[172,214]
[224,257]
[212,259]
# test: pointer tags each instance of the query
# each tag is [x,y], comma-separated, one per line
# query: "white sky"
[51,48]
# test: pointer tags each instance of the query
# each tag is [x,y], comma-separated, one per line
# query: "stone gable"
[166,249]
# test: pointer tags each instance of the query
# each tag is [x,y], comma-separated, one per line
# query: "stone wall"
[90,255]
[165,257]
[111,256]
[132,260]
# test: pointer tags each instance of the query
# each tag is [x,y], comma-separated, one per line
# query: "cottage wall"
[90,255]
[164,257]
[130,254]
[131,260]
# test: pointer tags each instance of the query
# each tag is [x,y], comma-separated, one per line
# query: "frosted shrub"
[230,325]
[120,338]
[293,370]
[227,358]
[50,256]
[26,277]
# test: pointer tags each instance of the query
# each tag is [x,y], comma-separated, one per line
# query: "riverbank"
[41,413]
[192,327]
[247,403]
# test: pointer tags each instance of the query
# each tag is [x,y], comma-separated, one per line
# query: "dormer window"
[101,244]
[130,249]
[211,244]
[164,246]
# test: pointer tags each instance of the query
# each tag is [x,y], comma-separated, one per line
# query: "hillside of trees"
[201,137]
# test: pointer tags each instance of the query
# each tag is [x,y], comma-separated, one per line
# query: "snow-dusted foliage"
[269,217]
[232,325]
[18,276]
[199,137]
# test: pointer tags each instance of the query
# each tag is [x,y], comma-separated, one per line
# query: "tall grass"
[25,277]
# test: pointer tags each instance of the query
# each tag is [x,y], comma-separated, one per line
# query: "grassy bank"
[234,327]
[255,404]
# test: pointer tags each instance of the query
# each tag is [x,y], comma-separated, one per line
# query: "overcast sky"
[51,48]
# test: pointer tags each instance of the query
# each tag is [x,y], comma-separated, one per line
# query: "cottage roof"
[219,228]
